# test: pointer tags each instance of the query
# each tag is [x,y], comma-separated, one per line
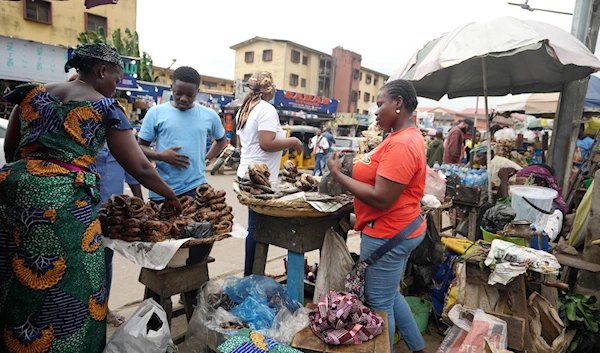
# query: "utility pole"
[586,21]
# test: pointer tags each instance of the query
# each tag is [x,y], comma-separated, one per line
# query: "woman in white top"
[261,140]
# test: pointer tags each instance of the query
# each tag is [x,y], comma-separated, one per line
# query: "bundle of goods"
[307,183]
[256,180]
[210,207]
[372,139]
[130,219]
[504,147]
[290,172]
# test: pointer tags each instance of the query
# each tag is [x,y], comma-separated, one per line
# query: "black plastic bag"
[198,230]
[497,217]
[430,251]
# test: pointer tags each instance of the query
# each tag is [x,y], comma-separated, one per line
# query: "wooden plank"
[472,224]
[576,262]
[260,258]
[307,341]
[295,276]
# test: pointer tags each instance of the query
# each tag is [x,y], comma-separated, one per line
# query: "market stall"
[173,250]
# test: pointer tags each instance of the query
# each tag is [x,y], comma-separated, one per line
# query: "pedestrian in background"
[331,140]
[435,152]
[454,148]
[319,145]
[112,179]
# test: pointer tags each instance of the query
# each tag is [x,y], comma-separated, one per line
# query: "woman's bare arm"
[126,151]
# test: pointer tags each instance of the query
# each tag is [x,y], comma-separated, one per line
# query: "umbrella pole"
[487,119]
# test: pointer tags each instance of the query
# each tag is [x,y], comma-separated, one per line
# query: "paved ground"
[127,293]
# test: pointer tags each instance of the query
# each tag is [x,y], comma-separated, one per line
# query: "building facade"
[61,22]
[294,67]
[208,84]
[370,82]
[305,70]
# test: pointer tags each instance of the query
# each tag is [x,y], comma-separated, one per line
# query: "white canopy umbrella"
[499,57]
[529,103]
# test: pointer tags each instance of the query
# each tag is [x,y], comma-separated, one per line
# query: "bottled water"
[470,181]
[436,166]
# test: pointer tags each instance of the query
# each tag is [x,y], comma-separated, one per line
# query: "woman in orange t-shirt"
[388,184]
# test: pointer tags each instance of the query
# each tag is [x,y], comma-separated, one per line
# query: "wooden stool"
[161,285]
[308,342]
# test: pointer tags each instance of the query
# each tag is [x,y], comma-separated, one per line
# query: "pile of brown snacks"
[290,172]
[307,183]
[211,207]
[256,180]
[129,218]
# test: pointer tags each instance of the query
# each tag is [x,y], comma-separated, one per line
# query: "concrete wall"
[345,81]
[68,20]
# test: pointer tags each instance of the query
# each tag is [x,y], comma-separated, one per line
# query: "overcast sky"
[386,33]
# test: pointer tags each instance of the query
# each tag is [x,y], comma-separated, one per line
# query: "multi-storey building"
[61,22]
[301,69]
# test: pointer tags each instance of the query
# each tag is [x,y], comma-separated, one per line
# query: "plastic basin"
[421,310]
[487,236]
[539,196]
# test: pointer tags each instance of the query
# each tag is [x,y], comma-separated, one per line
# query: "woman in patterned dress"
[52,282]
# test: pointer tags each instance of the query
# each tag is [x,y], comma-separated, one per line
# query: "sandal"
[115,319]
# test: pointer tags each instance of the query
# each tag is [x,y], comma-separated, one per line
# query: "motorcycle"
[230,157]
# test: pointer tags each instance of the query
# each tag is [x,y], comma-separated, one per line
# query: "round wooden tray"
[285,209]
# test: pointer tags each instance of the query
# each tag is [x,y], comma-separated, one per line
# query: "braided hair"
[402,89]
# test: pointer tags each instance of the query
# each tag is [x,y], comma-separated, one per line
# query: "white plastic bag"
[286,325]
[467,336]
[147,331]
[435,185]
[336,262]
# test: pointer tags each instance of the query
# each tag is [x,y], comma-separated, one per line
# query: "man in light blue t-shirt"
[180,129]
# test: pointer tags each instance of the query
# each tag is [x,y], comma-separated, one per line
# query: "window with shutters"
[38,10]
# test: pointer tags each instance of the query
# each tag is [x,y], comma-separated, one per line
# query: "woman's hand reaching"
[335,164]
[175,203]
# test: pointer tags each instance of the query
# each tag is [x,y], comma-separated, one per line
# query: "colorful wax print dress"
[52,282]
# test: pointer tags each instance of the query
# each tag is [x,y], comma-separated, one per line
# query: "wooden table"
[162,284]
[471,210]
[297,235]
[308,342]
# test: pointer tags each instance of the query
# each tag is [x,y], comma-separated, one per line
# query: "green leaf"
[591,323]
[573,346]
[572,312]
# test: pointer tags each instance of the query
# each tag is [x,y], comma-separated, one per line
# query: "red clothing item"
[400,158]
[454,146]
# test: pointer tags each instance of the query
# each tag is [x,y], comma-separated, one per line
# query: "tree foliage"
[127,44]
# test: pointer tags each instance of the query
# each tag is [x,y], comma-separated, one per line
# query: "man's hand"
[179,161]
[506,173]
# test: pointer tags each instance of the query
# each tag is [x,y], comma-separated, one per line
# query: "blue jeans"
[318,163]
[381,288]
[108,256]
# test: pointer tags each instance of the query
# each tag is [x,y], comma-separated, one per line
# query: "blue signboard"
[130,73]
[305,102]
